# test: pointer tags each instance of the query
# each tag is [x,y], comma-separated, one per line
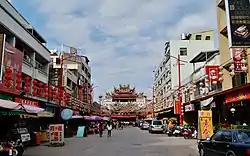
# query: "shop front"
[237,107]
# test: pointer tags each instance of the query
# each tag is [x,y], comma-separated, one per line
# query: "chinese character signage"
[205,124]
[238,54]
[12,66]
[56,134]
[237,96]
[212,72]
[238,16]
[26,102]
[177,107]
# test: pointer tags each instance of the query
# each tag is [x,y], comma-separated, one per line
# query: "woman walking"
[109,127]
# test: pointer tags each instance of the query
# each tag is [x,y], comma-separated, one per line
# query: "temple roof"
[124,91]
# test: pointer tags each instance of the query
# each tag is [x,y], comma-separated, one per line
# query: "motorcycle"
[188,133]
[170,132]
[12,148]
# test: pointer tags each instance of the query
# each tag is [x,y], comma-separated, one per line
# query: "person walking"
[109,127]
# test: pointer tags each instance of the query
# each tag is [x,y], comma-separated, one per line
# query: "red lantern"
[7,84]
[18,87]
[34,87]
[8,70]
[27,79]
[41,84]
[34,82]
[34,93]
[19,74]
[26,89]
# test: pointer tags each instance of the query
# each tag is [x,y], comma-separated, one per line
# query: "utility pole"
[179,90]
[153,103]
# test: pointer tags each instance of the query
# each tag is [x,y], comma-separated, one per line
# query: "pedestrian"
[101,129]
[109,127]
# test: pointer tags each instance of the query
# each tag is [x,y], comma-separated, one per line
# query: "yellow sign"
[206,124]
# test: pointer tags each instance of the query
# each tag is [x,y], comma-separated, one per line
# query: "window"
[226,136]
[39,65]
[217,136]
[183,51]
[57,60]
[239,79]
[157,123]
[208,38]
[197,37]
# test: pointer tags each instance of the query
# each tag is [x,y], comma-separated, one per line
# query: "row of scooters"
[187,132]
[11,148]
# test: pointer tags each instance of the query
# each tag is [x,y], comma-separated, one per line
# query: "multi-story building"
[166,74]
[23,55]
[74,74]
[234,42]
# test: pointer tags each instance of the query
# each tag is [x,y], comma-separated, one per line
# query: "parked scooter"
[13,148]
[190,134]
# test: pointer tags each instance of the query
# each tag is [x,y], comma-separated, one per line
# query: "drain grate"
[136,144]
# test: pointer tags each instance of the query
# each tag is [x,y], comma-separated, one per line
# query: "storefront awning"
[45,114]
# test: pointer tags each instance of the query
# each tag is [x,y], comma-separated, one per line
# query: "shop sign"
[66,114]
[205,124]
[56,134]
[237,97]
[189,108]
[212,71]
[12,62]
[238,17]
[177,107]
[2,40]
[26,102]
[238,54]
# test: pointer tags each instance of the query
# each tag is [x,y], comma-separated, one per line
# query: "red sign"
[26,102]
[177,107]
[213,73]
[235,97]
[238,55]
[123,116]
[13,59]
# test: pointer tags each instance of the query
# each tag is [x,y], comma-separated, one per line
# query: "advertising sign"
[238,22]
[2,40]
[80,131]
[213,73]
[177,107]
[13,59]
[238,54]
[205,124]
[56,134]
[26,102]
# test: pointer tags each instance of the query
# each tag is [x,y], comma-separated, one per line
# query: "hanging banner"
[238,54]
[2,45]
[177,107]
[212,72]
[12,64]
[205,124]
[238,22]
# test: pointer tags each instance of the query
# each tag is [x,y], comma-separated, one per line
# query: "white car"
[156,126]
[145,125]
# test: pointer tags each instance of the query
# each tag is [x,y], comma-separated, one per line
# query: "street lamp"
[179,85]
[91,97]
[153,107]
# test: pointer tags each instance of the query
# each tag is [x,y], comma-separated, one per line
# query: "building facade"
[75,77]
[166,74]
[124,99]
[24,56]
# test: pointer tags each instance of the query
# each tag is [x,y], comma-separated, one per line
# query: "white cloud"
[122,23]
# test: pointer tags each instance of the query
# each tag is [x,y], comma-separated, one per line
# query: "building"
[166,74]
[234,42]
[25,57]
[76,76]
[124,100]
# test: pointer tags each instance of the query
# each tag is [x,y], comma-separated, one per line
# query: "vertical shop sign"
[177,107]
[12,61]
[238,55]
[56,134]
[212,72]
[205,124]
[2,45]
[238,22]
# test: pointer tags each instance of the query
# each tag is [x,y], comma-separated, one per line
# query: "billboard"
[12,64]
[238,22]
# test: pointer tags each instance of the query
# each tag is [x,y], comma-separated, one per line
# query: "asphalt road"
[127,142]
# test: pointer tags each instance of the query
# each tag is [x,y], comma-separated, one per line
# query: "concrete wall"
[194,47]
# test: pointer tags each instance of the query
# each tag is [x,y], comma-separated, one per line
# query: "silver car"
[145,125]
[156,126]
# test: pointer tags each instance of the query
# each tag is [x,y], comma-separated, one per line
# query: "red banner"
[238,96]
[238,55]
[26,102]
[13,59]
[177,107]
[213,72]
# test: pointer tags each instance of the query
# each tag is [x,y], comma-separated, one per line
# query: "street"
[127,142]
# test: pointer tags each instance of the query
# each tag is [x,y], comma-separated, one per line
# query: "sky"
[124,39]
